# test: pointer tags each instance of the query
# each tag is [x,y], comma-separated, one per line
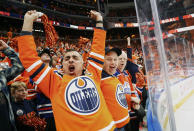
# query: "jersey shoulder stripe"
[37,71]
[95,65]
[97,55]
[43,75]
[96,60]
[125,73]
[33,65]
[117,73]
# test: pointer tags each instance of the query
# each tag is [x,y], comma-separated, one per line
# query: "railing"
[124,19]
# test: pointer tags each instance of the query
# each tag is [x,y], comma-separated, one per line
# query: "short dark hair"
[45,50]
[70,50]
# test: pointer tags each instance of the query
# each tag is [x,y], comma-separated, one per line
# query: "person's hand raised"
[128,41]
[96,15]
[31,15]
[29,18]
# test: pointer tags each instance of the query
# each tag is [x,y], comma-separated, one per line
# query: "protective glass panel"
[167,34]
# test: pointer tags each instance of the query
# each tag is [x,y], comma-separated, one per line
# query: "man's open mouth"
[71,68]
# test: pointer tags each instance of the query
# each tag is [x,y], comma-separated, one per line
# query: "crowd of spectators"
[71,39]
[19,12]
[82,44]
[61,6]
[65,9]
[45,2]
[22,107]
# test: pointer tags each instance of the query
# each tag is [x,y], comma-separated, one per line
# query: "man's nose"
[71,60]
[113,62]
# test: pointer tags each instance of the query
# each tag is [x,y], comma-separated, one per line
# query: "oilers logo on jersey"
[120,96]
[19,112]
[127,88]
[81,96]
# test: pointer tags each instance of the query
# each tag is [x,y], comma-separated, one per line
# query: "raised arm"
[39,73]
[16,67]
[26,44]
[131,67]
[96,55]
[129,49]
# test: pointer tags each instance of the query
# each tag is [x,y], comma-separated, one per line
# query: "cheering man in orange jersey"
[113,90]
[77,100]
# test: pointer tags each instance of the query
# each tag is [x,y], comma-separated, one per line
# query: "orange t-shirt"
[78,103]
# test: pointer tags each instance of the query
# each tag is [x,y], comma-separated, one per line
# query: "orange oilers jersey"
[114,95]
[129,90]
[78,103]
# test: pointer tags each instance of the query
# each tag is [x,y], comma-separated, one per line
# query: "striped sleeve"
[40,74]
[96,55]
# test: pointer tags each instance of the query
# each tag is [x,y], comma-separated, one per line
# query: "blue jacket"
[131,67]
[24,110]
